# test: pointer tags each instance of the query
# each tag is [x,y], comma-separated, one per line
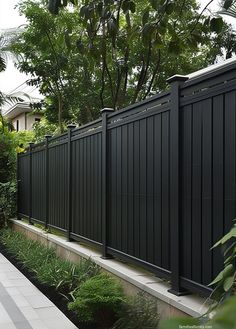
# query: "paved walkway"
[23,306]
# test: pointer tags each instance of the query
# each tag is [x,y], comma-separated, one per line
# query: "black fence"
[153,184]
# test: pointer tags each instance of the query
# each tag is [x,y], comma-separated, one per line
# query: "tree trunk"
[60,114]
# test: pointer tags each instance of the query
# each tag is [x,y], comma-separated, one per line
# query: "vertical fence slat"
[175,194]
[18,187]
[30,184]
[47,137]
[69,176]
[105,112]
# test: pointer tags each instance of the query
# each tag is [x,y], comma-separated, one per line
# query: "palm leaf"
[13,98]
[2,64]
[7,38]
[229,12]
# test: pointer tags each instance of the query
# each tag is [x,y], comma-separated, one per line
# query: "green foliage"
[176,323]
[224,318]
[8,198]
[21,139]
[65,276]
[7,156]
[216,24]
[46,54]
[11,143]
[95,297]
[221,314]
[111,53]
[98,299]
[138,312]
[225,282]
[44,127]
[48,268]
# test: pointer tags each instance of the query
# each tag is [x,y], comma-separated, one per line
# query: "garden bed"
[50,292]
[87,296]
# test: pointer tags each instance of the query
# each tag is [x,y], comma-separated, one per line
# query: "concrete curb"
[170,304]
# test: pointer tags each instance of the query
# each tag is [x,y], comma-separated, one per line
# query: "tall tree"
[112,53]
[46,57]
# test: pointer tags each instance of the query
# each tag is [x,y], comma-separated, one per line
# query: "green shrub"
[98,299]
[138,312]
[8,199]
[7,173]
[43,128]
[7,156]
[11,143]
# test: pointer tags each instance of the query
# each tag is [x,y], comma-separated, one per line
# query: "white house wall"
[21,119]
[26,121]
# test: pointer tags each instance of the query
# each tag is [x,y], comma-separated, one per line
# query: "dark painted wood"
[174,163]
[105,112]
[154,184]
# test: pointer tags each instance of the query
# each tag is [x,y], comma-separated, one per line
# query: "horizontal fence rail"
[153,184]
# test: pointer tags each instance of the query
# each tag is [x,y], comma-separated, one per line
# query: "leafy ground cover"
[90,298]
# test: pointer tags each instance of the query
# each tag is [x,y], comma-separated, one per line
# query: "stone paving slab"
[23,306]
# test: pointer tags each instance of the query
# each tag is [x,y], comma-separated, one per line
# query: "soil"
[48,291]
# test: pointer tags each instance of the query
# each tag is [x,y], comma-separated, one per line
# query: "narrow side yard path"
[23,306]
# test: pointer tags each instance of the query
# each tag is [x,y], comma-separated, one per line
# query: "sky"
[10,18]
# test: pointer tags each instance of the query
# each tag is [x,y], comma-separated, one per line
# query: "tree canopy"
[111,53]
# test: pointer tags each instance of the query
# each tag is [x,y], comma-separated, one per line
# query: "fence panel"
[208,180]
[23,184]
[154,183]
[138,180]
[39,185]
[58,185]
[86,187]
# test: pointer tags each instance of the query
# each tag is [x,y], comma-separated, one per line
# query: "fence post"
[175,184]
[18,180]
[69,169]
[47,137]
[30,184]
[104,112]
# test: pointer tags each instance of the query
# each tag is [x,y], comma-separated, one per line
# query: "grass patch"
[49,269]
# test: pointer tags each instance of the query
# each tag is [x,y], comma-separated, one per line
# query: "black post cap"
[71,126]
[107,109]
[177,77]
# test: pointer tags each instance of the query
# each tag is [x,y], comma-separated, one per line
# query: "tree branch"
[200,15]
[103,84]
[153,75]
[143,73]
